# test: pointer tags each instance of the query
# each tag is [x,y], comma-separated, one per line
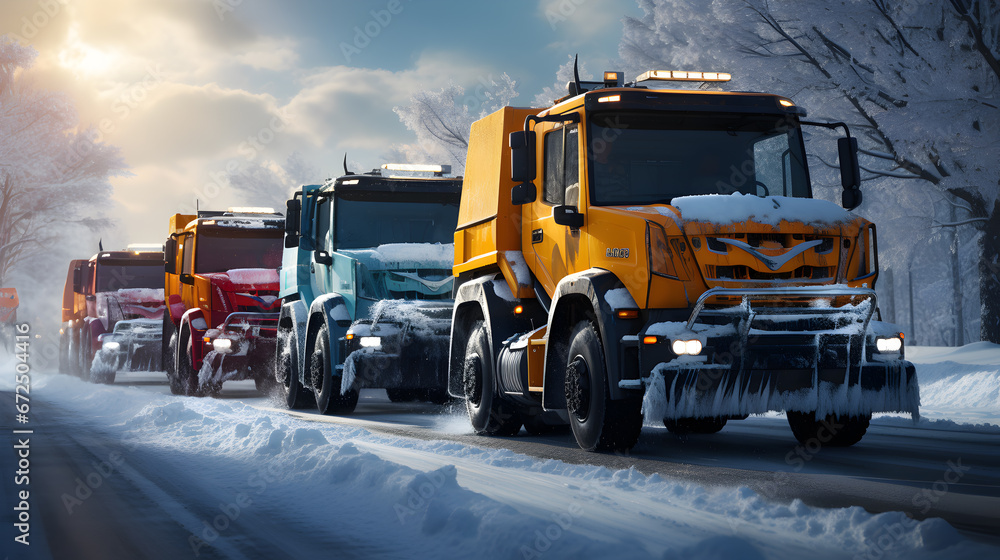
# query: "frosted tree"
[442,119]
[917,82]
[53,174]
[270,184]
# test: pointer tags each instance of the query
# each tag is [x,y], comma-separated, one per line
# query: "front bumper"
[784,354]
[134,345]
[408,355]
[249,354]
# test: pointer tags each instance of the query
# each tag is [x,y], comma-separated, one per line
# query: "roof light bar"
[683,76]
[144,247]
[417,168]
[250,210]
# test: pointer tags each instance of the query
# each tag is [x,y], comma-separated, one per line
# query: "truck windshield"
[369,223]
[222,249]
[643,158]
[120,274]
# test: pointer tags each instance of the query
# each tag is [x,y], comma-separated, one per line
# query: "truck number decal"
[616,253]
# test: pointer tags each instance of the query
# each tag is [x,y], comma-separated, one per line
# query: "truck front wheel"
[598,423]
[835,431]
[487,412]
[286,370]
[326,385]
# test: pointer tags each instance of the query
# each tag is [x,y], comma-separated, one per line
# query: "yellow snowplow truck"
[636,251]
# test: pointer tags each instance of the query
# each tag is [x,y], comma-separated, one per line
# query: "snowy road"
[132,471]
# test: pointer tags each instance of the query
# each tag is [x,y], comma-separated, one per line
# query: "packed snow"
[253,276]
[771,210]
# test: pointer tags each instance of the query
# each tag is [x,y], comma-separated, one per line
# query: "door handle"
[536,236]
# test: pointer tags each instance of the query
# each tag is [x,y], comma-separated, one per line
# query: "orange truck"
[112,293]
[8,305]
[640,251]
[221,291]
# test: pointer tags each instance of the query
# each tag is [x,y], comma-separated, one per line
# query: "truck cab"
[221,278]
[366,287]
[639,250]
[109,288]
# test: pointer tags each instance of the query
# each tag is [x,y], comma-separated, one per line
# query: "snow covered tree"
[442,119]
[916,81]
[52,173]
[270,184]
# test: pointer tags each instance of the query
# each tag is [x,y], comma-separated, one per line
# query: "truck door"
[320,267]
[186,247]
[556,248]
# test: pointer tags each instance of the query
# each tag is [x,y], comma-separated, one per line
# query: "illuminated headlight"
[371,341]
[687,347]
[222,345]
[111,346]
[889,345]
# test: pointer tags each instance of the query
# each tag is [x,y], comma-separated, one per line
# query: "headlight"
[222,345]
[687,347]
[371,341]
[111,346]
[889,345]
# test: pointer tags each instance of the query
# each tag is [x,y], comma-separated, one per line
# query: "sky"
[192,89]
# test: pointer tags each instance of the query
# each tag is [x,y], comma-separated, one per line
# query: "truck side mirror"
[850,172]
[522,156]
[78,280]
[293,216]
[567,216]
[170,256]
[523,193]
[522,167]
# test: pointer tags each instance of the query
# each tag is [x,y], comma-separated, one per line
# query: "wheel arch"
[581,296]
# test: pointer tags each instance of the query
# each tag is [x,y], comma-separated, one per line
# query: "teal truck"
[366,287]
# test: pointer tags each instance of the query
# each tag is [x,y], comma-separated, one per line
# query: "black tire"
[402,395]
[326,386]
[170,365]
[73,352]
[286,372]
[167,332]
[64,351]
[833,431]
[489,414]
[186,374]
[598,423]
[684,426]
[86,354]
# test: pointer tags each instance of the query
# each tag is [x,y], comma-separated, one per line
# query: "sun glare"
[84,59]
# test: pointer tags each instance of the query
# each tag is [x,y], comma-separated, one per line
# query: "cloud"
[578,22]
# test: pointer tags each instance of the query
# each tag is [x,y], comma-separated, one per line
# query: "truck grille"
[743,272]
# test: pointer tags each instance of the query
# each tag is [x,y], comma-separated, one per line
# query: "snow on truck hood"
[245,278]
[738,208]
[401,256]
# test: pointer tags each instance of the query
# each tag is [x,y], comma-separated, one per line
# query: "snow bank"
[959,384]
[771,210]
[415,498]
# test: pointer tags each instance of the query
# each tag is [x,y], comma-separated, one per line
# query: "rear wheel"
[170,365]
[684,426]
[326,385]
[597,421]
[835,431]
[286,371]
[488,412]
